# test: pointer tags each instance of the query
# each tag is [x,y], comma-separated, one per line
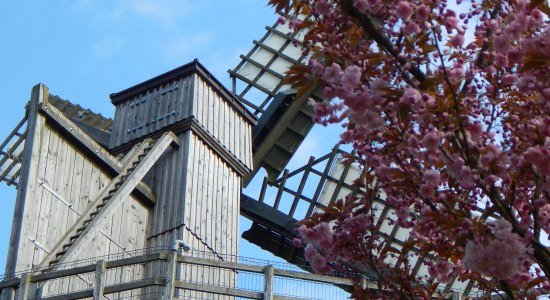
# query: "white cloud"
[165,13]
[186,45]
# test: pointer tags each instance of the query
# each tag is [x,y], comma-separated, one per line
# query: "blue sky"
[83,50]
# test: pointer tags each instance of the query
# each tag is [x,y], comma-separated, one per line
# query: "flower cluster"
[448,107]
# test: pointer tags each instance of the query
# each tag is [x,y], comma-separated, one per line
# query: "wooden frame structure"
[86,189]
[314,185]
[169,283]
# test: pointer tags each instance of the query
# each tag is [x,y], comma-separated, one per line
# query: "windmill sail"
[258,82]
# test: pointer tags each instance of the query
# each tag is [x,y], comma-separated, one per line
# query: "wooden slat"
[280,191]
[301,186]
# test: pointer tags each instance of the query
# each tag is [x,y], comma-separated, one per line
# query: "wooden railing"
[20,285]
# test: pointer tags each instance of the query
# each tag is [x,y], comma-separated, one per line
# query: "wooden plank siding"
[152,110]
[198,198]
[177,100]
[59,179]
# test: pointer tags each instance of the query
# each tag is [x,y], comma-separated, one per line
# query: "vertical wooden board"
[121,130]
[195,97]
[206,220]
[62,187]
[171,181]
[84,198]
[212,112]
[202,230]
[236,210]
[200,101]
[234,138]
[218,118]
[164,190]
[31,218]
[215,205]
[237,206]
[128,121]
[183,101]
[43,213]
[76,183]
[241,135]
[123,239]
[182,175]
[191,96]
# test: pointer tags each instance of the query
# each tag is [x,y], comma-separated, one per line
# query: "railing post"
[170,275]
[268,282]
[456,296]
[24,285]
[99,285]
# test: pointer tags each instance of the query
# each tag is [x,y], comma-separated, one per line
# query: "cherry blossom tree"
[448,107]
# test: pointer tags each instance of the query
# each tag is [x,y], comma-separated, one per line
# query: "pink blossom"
[403,10]
[442,270]
[309,252]
[539,158]
[426,190]
[319,263]
[457,40]
[333,73]
[411,28]
[361,5]
[501,257]
[410,96]
[316,67]
[422,12]
[322,7]
[431,140]
[451,22]
[431,177]
[351,77]
[297,243]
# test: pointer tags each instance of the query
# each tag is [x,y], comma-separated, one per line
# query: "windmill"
[171,166]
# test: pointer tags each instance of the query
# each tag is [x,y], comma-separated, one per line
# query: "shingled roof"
[95,125]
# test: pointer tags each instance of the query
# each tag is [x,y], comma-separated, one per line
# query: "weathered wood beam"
[128,185]
[29,171]
[99,284]
[24,286]
[269,274]
[92,147]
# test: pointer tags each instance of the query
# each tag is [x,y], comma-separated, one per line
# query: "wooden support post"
[24,286]
[99,285]
[170,275]
[269,273]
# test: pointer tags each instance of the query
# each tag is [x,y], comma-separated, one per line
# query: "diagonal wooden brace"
[106,212]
